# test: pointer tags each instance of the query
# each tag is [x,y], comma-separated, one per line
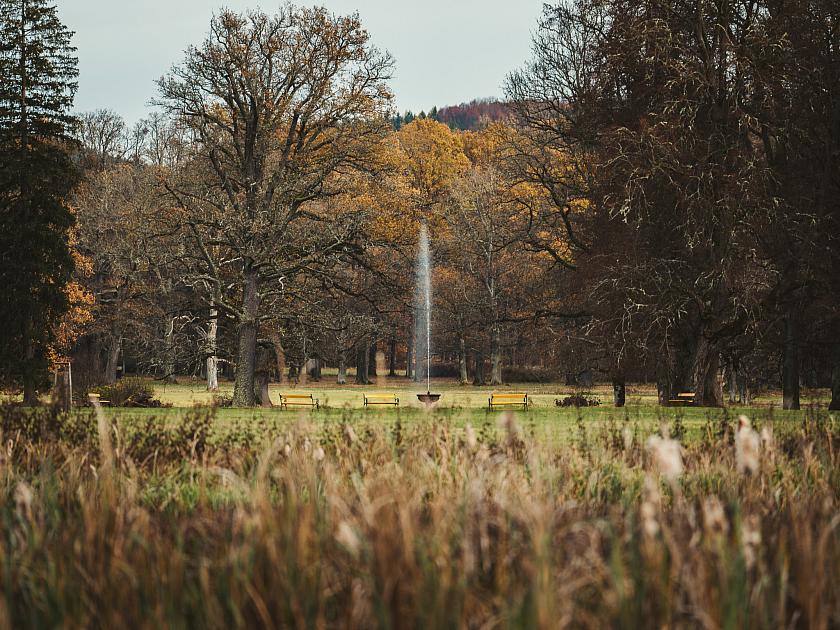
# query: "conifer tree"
[38,71]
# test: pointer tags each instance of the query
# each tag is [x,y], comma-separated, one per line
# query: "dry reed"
[421,525]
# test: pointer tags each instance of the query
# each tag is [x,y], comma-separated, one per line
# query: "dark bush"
[128,392]
[578,400]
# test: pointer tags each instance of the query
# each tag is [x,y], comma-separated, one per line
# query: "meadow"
[345,518]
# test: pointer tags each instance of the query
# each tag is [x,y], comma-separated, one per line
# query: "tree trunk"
[495,357]
[392,357]
[262,373]
[732,379]
[463,377]
[619,391]
[707,389]
[372,373]
[212,362]
[478,371]
[342,368]
[280,356]
[743,389]
[30,387]
[663,385]
[790,361]
[409,359]
[243,388]
[834,405]
[112,359]
[662,393]
[362,358]
[169,351]
[316,369]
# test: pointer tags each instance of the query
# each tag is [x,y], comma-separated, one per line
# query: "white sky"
[446,51]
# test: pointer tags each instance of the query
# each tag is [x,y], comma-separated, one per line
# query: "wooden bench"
[298,400]
[381,399]
[683,399]
[514,399]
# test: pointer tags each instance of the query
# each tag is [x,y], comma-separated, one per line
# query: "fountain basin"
[428,398]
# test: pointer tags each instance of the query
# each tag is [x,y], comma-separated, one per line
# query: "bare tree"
[103,135]
[279,107]
[484,234]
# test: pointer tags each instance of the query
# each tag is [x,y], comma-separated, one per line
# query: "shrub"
[578,400]
[128,392]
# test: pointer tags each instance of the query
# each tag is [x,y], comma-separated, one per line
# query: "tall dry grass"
[417,525]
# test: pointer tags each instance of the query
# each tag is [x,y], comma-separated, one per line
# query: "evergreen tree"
[38,71]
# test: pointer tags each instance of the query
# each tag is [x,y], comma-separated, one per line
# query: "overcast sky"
[446,51]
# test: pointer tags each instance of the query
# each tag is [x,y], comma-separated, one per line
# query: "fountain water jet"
[424,303]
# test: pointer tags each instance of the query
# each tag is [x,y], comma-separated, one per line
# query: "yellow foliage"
[484,147]
[81,302]
[433,156]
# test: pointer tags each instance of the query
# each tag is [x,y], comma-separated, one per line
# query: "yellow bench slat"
[508,399]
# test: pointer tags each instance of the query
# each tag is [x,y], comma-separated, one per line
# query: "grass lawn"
[189,391]
[462,404]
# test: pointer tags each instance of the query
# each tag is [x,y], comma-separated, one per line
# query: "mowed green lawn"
[460,405]
[189,392]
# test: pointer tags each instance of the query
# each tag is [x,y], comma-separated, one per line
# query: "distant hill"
[466,117]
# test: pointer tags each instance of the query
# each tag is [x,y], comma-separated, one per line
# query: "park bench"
[298,400]
[683,399]
[514,399]
[381,399]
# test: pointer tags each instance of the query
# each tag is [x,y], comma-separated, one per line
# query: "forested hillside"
[471,116]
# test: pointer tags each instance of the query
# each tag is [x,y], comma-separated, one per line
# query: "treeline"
[672,216]
[471,116]
[705,138]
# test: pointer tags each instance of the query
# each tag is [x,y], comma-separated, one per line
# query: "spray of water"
[424,302]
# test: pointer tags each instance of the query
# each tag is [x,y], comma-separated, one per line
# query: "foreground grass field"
[457,518]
